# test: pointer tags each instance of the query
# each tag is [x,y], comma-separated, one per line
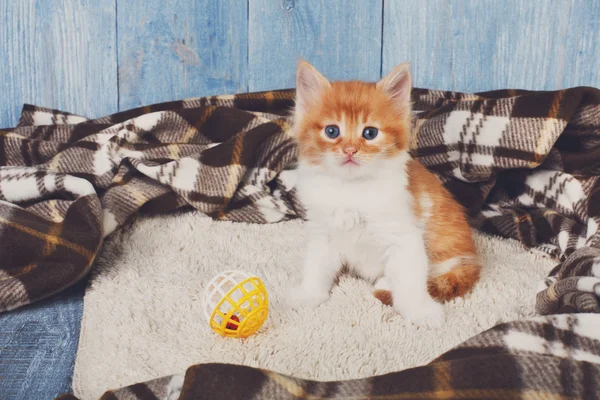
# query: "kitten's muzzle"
[350,151]
[350,161]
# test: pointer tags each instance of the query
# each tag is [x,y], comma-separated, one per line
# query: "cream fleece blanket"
[143,318]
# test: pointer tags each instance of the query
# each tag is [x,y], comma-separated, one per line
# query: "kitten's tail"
[456,281]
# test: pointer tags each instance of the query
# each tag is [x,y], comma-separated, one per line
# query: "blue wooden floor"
[38,344]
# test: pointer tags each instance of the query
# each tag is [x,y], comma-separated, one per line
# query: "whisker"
[390,146]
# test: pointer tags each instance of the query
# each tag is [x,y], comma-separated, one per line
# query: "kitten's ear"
[310,85]
[397,85]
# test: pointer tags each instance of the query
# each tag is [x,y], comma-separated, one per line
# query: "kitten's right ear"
[310,85]
[397,86]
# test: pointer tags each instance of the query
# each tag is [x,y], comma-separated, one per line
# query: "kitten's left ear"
[397,85]
[310,86]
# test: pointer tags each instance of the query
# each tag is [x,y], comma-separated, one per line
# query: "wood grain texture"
[93,57]
[38,345]
[473,45]
[180,48]
[341,38]
[583,41]
[57,54]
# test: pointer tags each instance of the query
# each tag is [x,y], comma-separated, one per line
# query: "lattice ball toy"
[236,304]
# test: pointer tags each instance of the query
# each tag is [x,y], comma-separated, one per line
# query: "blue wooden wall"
[94,57]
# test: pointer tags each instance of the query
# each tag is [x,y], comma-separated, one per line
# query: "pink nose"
[350,151]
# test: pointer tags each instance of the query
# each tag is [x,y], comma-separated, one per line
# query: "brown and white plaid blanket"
[554,357]
[525,165]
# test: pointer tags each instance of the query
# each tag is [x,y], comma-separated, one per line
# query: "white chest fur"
[360,218]
[369,225]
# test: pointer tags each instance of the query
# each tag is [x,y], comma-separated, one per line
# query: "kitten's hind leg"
[383,291]
[322,262]
[406,268]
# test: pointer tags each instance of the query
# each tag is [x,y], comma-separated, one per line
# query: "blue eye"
[332,131]
[370,133]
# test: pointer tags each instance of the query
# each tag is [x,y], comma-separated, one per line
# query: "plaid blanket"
[525,165]
[555,357]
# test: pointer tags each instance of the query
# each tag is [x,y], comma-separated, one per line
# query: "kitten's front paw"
[430,314]
[300,297]
[345,220]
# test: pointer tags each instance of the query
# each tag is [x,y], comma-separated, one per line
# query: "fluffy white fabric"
[143,319]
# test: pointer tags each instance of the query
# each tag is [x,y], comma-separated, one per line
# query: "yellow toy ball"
[235,304]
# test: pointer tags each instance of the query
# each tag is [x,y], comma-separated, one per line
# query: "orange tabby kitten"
[372,207]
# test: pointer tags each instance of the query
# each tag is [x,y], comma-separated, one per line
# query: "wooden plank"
[38,345]
[473,45]
[58,54]
[341,38]
[181,48]
[419,34]
[581,62]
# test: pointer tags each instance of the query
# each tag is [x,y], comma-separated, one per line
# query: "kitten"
[372,207]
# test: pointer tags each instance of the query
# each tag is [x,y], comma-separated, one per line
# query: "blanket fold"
[555,357]
[524,164]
